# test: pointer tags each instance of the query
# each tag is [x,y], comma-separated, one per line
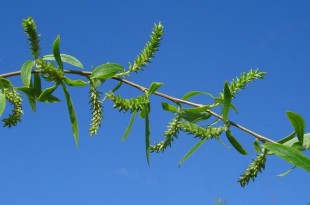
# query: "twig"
[168,97]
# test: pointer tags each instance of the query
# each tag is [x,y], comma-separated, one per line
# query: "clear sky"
[205,43]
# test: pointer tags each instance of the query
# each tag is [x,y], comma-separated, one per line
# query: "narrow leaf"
[29,91]
[66,59]
[154,86]
[169,107]
[26,72]
[37,85]
[2,102]
[128,129]
[289,154]
[256,145]
[192,151]
[195,117]
[147,137]
[5,83]
[235,143]
[227,101]
[194,93]
[106,71]
[72,114]
[47,92]
[287,138]
[196,109]
[299,125]
[287,172]
[78,82]
[56,52]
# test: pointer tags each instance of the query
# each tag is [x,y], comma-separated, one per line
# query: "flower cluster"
[15,99]
[49,71]
[33,37]
[251,172]
[96,107]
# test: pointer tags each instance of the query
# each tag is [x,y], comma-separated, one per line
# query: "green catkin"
[49,71]
[97,113]
[251,172]
[132,104]
[149,50]
[170,134]
[14,99]
[33,37]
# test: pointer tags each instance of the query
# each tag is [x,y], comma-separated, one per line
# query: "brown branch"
[168,97]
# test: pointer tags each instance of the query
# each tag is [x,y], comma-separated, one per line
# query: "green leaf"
[286,139]
[47,92]
[147,135]
[169,107]
[194,93]
[256,145]
[289,154]
[66,59]
[106,71]
[287,172]
[2,102]
[5,83]
[72,114]
[295,142]
[195,117]
[37,85]
[154,86]
[299,125]
[235,143]
[196,109]
[192,151]
[56,52]
[26,72]
[70,82]
[128,129]
[29,91]
[227,101]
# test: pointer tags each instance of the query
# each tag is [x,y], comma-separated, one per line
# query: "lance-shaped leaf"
[169,107]
[72,114]
[147,133]
[5,83]
[56,52]
[128,129]
[29,91]
[154,86]
[26,72]
[2,102]
[227,101]
[289,154]
[47,92]
[65,58]
[106,71]
[299,125]
[37,85]
[192,151]
[194,93]
[78,82]
[235,143]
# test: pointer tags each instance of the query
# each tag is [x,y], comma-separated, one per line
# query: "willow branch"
[168,97]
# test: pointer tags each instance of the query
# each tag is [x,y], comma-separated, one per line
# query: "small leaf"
[37,85]
[72,114]
[128,129]
[154,86]
[26,72]
[29,91]
[196,109]
[70,82]
[256,145]
[169,107]
[66,59]
[194,93]
[5,83]
[227,101]
[56,52]
[195,117]
[299,125]
[286,139]
[287,172]
[192,151]
[235,143]
[47,92]
[106,71]
[2,102]
[289,154]
[147,136]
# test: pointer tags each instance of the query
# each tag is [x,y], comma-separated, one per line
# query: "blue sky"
[205,43]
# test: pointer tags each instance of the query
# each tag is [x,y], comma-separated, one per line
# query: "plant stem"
[168,97]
